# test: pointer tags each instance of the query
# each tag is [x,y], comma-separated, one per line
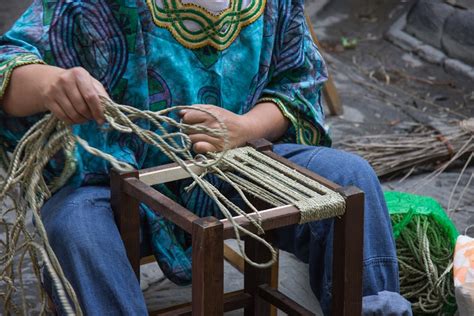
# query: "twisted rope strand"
[258,175]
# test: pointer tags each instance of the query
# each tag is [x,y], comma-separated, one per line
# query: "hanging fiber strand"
[25,177]
[50,136]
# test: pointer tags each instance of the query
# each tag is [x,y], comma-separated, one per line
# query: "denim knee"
[341,167]
[75,217]
[83,234]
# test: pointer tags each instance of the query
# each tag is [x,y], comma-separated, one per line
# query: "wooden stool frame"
[208,235]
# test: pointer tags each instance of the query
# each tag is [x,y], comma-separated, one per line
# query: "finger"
[213,129]
[100,88]
[204,147]
[63,101]
[204,106]
[78,102]
[195,117]
[57,111]
[196,138]
[195,106]
[86,85]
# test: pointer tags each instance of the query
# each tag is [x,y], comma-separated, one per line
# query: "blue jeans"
[82,232]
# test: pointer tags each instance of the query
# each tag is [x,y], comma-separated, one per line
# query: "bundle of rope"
[425,261]
[425,238]
[244,169]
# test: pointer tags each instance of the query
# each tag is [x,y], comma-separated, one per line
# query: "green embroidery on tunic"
[217,30]
[7,67]
[306,132]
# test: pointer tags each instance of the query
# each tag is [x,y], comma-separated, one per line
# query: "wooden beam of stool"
[254,277]
[234,258]
[238,262]
[127,216]
[348,256]
[232,301]
[283,302]
[208,267]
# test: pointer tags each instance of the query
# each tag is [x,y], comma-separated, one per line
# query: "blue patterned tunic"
[159,53]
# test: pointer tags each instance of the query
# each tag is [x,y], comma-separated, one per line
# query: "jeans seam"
[379,260]
[91,202]
[313,154]
[316,235]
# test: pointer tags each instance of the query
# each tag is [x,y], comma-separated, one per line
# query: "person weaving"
[251,63]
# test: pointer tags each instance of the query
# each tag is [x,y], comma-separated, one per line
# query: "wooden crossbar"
[167,173]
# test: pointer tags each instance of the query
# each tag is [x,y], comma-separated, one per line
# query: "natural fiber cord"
[425,240]
[245,169]
[280,185]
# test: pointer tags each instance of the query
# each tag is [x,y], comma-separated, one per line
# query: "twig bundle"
[421,146]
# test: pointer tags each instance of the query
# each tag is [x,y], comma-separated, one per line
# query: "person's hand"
[72,95]
[238,127]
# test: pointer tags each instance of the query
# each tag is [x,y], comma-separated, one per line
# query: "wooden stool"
[208,235]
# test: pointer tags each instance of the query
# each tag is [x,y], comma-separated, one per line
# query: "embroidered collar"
[195,24]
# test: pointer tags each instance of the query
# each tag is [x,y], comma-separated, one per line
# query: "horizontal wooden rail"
[168,173]
[232,301]
[160,203]
[282,302]
[271,219]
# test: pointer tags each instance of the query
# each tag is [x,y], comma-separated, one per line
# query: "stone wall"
[449,28]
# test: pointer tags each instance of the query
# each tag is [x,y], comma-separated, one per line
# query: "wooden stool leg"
[127,216]
[238,262]
[253,277]
[348,256]
[208,267]
[275,275]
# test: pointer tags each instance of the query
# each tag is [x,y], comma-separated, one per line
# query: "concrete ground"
[381,86]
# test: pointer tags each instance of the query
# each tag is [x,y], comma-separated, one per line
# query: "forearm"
[266,120]
[72,95]
[24,95]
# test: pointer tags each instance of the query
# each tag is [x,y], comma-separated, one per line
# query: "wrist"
[266,120]
[49,78]
[39,78]
[250,128]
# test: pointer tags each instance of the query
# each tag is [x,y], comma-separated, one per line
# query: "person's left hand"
[238,128]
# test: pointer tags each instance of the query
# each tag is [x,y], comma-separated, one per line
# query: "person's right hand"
[72,95]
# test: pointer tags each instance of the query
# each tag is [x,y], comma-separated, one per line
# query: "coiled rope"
[425,262]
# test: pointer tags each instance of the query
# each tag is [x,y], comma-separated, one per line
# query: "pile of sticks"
[419,146]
